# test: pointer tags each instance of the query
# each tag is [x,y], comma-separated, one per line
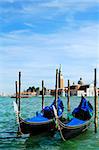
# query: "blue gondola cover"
[48,110]
[84,111]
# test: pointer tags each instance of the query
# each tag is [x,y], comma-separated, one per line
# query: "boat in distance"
[22,96]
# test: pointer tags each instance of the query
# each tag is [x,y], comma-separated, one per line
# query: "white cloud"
[38,55]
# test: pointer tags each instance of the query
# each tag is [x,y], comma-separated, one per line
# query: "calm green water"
[86,141]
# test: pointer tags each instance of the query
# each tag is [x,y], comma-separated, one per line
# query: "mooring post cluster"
[18,97]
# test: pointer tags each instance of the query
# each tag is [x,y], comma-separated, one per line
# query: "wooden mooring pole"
[56,88]
[16,87]
[95,101]
[68,97]
[19,107]
[42,94]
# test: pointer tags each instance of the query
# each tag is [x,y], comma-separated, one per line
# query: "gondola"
[80,121]
[41,122]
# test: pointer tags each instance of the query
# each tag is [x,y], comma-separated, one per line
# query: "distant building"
[52,92]
[48,92]
[74,90]
[86,90]
[28,93]
[81,89]
[61,90]
[80,82]
[61,79]
[61,83]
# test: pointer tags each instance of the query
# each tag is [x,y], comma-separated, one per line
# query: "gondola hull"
[41,122]
[36,128]
[82,117]
[69,133]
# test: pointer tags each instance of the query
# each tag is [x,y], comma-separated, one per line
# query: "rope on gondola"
[57,122]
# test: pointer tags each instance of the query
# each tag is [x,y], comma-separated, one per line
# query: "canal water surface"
[8,128]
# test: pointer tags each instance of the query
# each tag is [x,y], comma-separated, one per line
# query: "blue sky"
[38,35]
